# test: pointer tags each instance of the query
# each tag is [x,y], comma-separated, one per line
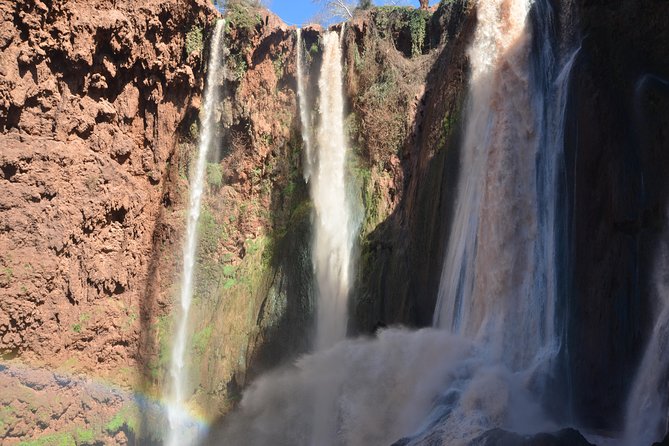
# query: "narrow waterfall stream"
[179,432]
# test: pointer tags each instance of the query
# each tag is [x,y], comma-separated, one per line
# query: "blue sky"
[299,12]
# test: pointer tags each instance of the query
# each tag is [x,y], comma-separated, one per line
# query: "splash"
[386,389]
[180,431]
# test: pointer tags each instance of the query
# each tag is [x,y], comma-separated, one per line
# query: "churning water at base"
[386,390]
[180,432]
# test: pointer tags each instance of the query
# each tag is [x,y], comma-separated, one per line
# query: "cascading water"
[305,111]
[334,227]
[500,271]
[179,432]
[486,286]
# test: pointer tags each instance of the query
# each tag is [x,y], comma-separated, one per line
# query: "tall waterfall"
[305,111]
[179,434]
[499,277]
[334,229]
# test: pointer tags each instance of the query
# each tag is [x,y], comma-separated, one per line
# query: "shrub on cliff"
[194,40]
[243,15]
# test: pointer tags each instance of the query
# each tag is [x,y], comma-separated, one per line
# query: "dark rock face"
[664,442]
[499,437]
[617,158]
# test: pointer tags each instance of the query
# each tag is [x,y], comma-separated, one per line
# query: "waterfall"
[334,229]
[496,317]
[499,281]
[647,412]
[305,111]
[487,284]
[179,434]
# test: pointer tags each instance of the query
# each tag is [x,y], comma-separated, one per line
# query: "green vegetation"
[390,20]
[83,319]
[201,339]
[57,439]
[72,437]
[124,418]
[209,232]
[162,329]
[242,15]
[314,49]
[237,64]
[84,436]
[194,131]
[214,175]
[8,273]
[365,4]
[278,65]
[194,40]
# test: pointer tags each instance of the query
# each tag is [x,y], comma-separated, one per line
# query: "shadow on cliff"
[616,141]
[401,259]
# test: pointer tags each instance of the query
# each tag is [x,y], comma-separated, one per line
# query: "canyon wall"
[93,95]
[616,155]
[99,106]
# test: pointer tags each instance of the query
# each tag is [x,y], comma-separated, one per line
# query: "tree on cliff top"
[346,8]
[337,8]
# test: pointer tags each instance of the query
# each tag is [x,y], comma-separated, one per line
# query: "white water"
[334,226]
[305,111]
[496,282]
[386,388]
[180,432]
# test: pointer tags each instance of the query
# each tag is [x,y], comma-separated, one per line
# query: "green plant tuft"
[214,175]
[194,40]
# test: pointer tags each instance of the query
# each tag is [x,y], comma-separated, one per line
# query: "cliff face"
[408,111]
[99,106]
[617,157]
[92,94]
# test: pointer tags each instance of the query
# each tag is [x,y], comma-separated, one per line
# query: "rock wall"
[617,158]
[99,105]
[412,175]
[92,97]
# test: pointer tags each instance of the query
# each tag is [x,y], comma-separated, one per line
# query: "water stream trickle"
[180,433]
